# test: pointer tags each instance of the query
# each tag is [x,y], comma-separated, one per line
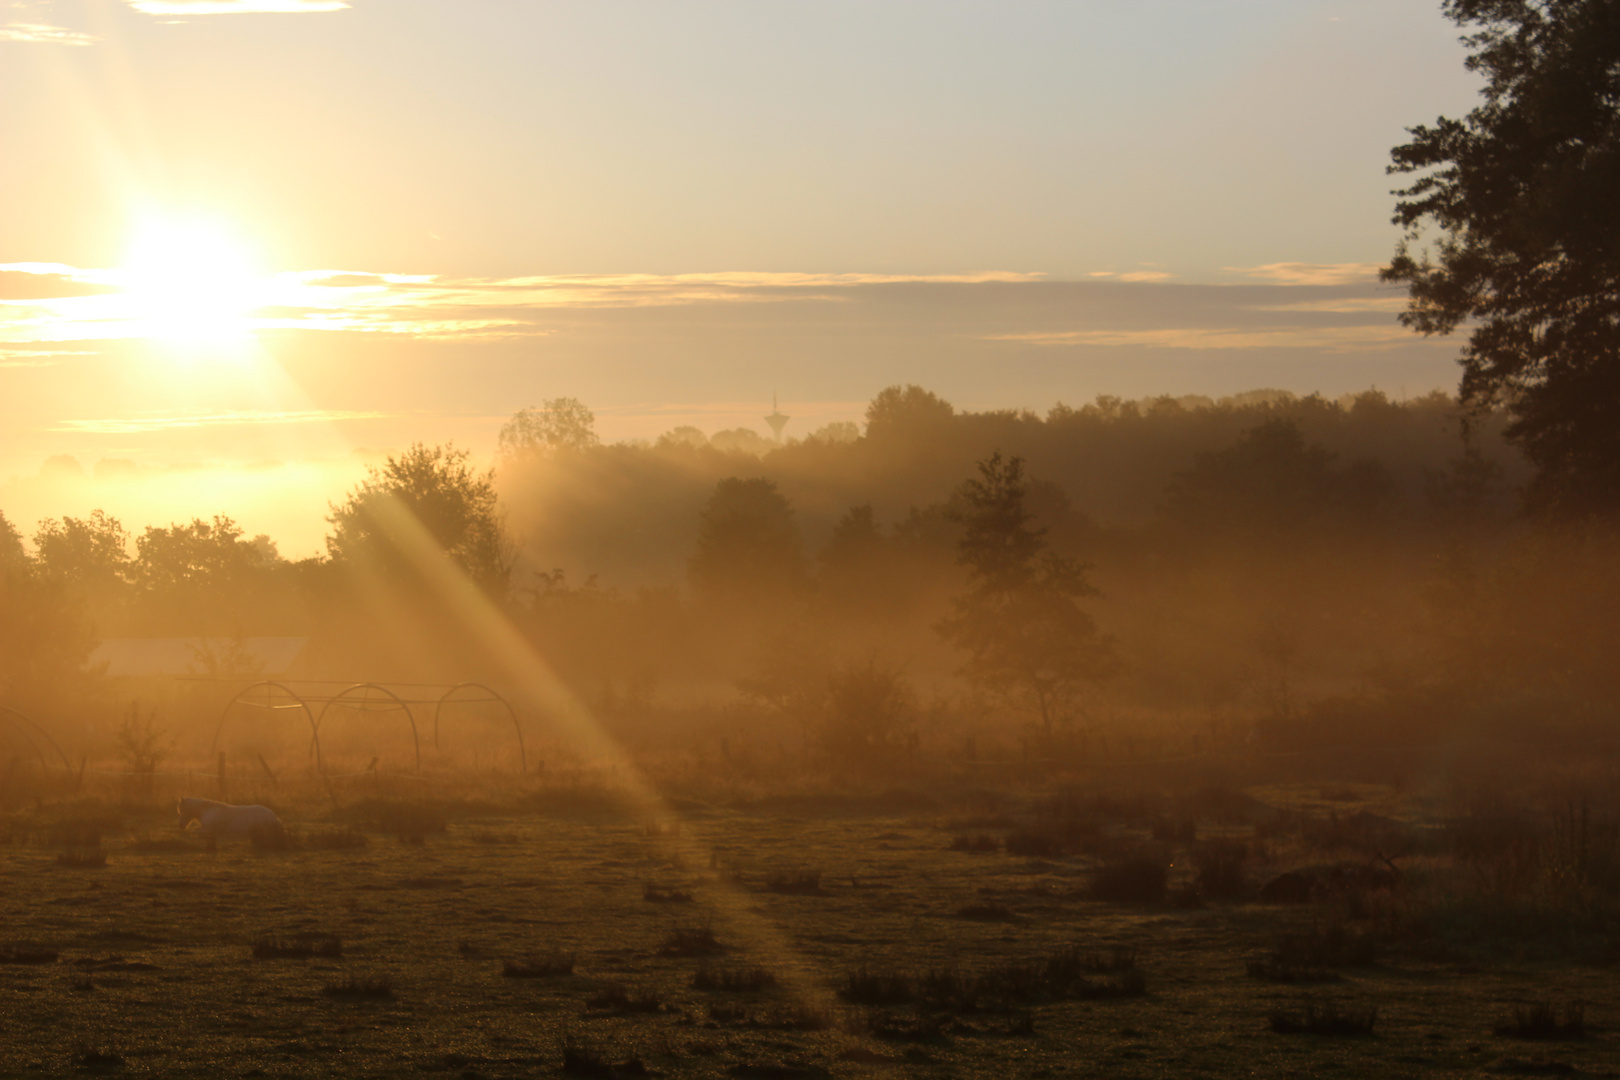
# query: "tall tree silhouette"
[1020,622]
[1522,193]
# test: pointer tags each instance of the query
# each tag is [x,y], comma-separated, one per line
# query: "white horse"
[216,819]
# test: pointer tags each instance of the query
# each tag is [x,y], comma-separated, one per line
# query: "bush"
[1134,880]
[538,966]
[1541,1021]
[1324,1019]
[866,986]
[619,998]
[690,941]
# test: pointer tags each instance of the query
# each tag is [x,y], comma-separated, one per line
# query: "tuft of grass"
[1131,880]
[1273,969]
[869,986]
[986,912]
[698,940]
[538,966]
[81,984]
[1324,1019]
[355,987]
[621,999]
[661,894]
[1331,946]
[485,837]
[582,1060]
[97,1059]
[898,1027]
[21,952]
[1539,1020]
[86,859]
[299,947]
[794,882]
[797,1017]
[976,844]
[733,980]
[336,840]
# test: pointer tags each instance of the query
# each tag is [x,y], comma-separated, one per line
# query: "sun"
[192,281]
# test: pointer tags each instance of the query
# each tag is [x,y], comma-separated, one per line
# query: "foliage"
[14,560]
[451,501]
[1026,637]
[1521,191]
[561,425]
[90,553]
[201,555]
[140,743]
[900,412]
[748,546]
[869,716]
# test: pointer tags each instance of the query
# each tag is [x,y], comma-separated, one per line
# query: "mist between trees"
[1163,576]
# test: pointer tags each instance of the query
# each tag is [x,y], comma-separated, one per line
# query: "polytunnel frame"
[494,695]
[266,684]
[31,732]
[366,705]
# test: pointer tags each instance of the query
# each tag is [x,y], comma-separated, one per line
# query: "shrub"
[374,988]
[866,986]
[1132,880]
[980,843]
[326,946]
[1540,1021]
[690,941]
[739,980]
[1324,1019]
[581,1060]
[795,882]
[538,966]
[619,998]
[660,894]
[17,952]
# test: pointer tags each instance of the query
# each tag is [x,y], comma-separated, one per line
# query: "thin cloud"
[234,7]
[1327,338]
[41,34]
[1295,273]
[138,425]
[1347,305]
[1132,275]
[419,305]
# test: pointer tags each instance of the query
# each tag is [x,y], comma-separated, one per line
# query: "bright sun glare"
[192,282]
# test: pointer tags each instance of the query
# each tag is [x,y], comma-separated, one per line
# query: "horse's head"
[188,810]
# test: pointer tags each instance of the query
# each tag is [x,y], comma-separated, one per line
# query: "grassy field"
[547,931]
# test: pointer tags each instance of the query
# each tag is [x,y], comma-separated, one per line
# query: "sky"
[251,245]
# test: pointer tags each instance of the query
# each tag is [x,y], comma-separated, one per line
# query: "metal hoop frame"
[494,695]
[298,703]
[31,733]
[368,705]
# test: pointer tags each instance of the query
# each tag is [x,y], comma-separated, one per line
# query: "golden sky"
[251,242]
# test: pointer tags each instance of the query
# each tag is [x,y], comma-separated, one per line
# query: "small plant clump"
[976,844]
[1324,1019]
[734,980]
[97,1059]
[986,912]
[90,859]
[1541,1021]
[794,882]
[374,988]
[301,947]
[18,952]
[619,998]
[665,894]
[696,940]
[538,966]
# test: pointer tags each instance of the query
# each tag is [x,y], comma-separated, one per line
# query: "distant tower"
[776,419]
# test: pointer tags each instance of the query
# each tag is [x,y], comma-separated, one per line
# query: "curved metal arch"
[494,695]
[32,731]
[300,703]
[366,705]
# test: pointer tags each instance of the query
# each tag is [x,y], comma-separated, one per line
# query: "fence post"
[222,775]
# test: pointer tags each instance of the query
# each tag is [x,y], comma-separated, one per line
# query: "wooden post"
[222,776]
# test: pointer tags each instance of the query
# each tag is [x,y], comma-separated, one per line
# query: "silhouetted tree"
[1020,622]
[14,561]
[452,501]
[907,412]
[858,571]
[1270,487]
[561,424]
[45,635]
[201,555]
[89,555]
[1522,193]
[748,546]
